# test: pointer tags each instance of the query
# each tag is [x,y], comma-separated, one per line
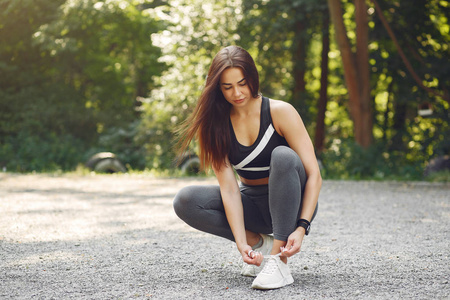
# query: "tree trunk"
[362,63]
[348,62]
[358,88]
[319,137]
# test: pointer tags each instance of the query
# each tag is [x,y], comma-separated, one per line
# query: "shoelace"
[252,253]
[271,265]
[272,256]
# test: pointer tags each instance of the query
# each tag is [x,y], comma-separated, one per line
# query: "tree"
[405,60]
[111,66]
[70,70]
[189,43]
[356,69]
[411,63]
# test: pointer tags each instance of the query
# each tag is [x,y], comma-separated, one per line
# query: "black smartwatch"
[305,224]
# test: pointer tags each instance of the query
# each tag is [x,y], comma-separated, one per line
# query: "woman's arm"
[289,124]
[231,198]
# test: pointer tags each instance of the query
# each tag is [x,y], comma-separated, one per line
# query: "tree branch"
[402,54]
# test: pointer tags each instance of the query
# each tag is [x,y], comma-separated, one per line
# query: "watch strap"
[305,224]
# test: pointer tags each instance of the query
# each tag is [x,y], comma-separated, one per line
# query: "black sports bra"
[253,162]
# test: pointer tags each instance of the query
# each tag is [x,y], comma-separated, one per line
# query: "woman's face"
[234,87]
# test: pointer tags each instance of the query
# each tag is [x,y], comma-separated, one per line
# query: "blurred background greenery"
[369,78]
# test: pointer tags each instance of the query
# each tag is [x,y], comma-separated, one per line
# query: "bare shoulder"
[282,110]
[279,104]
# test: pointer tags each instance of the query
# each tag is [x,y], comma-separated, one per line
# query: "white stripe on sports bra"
[255,169]
[262,144]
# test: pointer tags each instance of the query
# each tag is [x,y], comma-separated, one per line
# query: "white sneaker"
[274,275]
[266,247]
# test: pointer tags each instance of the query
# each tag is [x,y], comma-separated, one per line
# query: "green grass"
[441,176]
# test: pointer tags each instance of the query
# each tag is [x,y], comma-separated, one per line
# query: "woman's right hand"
[251,257]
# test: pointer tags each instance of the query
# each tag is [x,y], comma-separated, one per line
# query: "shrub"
[50,152]
[345,159]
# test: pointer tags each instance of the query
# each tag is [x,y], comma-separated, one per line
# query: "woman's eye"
[230,87]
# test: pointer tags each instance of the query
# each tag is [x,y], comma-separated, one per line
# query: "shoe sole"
[286,281]
[248,274]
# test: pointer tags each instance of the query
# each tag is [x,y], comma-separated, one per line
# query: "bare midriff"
[261,181]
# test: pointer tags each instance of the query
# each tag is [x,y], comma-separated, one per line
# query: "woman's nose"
[236,91]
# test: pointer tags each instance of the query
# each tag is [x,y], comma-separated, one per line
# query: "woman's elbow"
[316,179]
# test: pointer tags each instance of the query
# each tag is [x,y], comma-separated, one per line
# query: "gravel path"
[117,237]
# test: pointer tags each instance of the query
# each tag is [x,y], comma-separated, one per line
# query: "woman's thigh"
[201,206]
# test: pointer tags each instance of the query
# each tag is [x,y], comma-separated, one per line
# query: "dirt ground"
[117,237]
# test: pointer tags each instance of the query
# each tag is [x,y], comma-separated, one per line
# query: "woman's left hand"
[294,243]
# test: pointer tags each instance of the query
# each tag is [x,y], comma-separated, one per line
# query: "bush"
[26,153]
[124,144]
[441,176]
[345,159]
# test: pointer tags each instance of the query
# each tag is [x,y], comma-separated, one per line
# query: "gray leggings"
[273,208]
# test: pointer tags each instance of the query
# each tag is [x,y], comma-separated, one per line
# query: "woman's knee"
[283,158]
[182,200]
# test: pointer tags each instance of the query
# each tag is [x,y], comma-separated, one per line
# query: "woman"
[266,143]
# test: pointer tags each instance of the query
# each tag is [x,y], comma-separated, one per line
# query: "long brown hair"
[209,122]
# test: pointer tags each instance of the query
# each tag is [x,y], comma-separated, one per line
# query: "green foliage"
[71,69]
[345,159]
[125,143]
[404,141]
[109,66]
[82,76]
[198,33]
[275,32]
[156,129]
[397,95]
[442,176]
[47,152]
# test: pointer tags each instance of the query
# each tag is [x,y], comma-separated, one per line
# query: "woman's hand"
[251,257]
[294,243]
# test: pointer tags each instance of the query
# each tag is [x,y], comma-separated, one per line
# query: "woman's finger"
[290,249]
[253,257]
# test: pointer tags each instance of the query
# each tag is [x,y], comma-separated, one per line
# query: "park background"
[78,77]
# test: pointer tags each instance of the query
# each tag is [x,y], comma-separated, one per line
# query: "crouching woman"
[268,211]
